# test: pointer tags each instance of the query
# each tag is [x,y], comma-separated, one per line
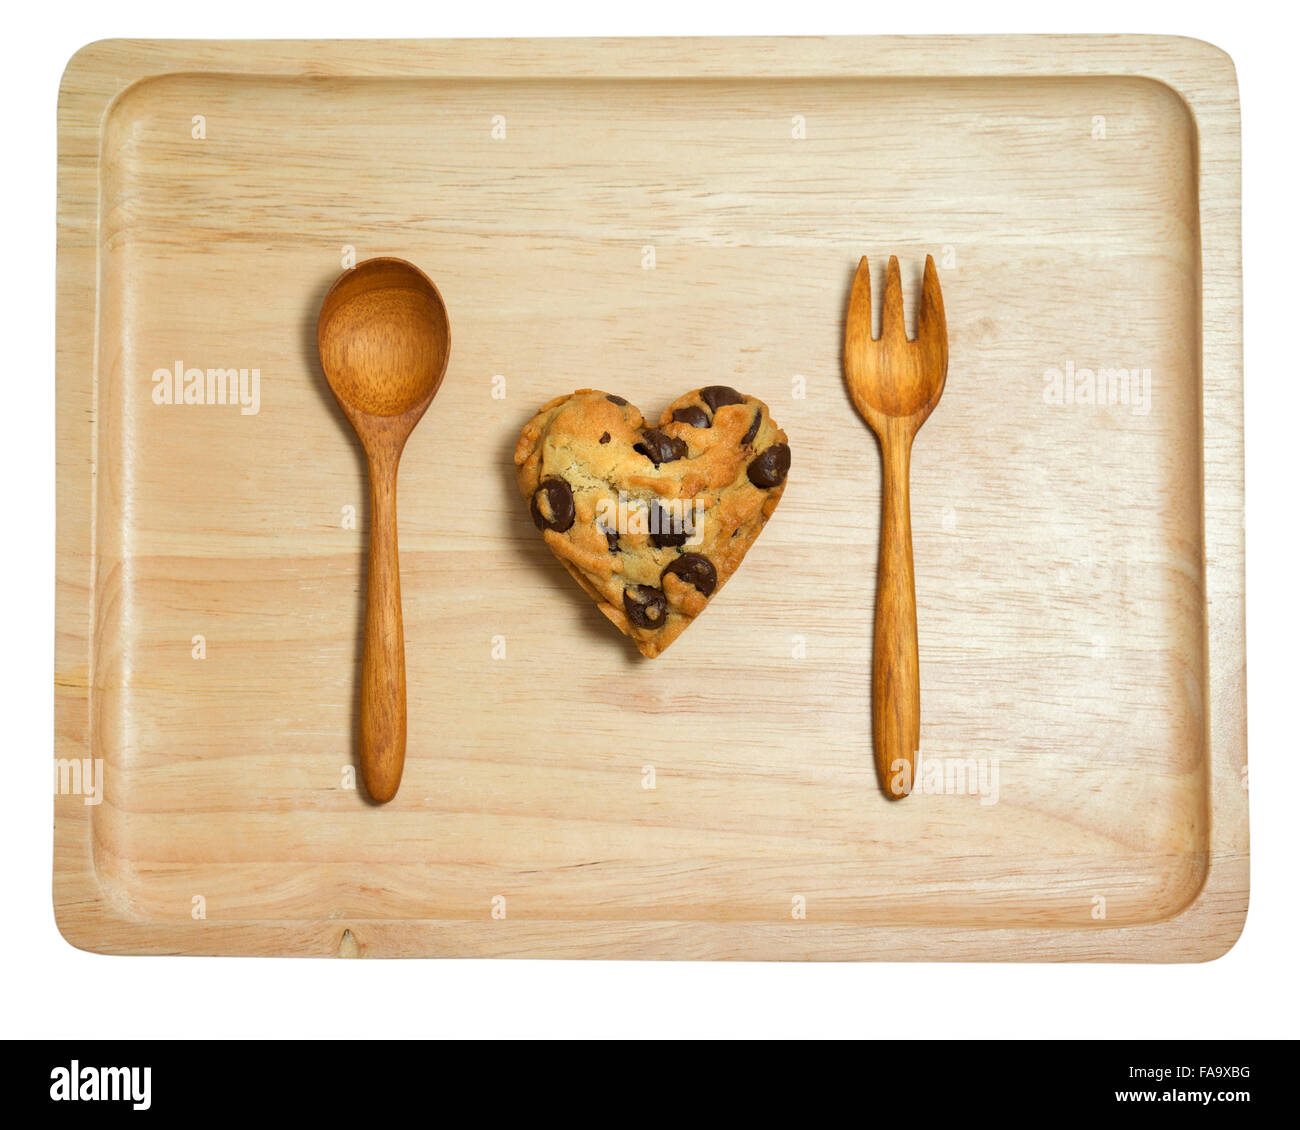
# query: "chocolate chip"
[553,505]
[645,606]
[615,399]
[753,429]
[604,437]
[694,415]
[611,536]
[770,468]
[695,569]
[667,529]
[659,447]
[715,396]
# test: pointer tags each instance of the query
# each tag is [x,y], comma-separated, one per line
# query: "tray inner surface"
[1058,546]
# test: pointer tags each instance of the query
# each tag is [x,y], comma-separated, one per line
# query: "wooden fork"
[895,384]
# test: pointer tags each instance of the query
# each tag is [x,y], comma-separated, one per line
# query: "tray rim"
[1201,75]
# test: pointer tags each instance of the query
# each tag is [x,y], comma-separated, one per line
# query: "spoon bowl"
[384,338]
[384,341]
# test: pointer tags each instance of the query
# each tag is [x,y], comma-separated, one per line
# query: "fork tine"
[931,324]
[858,327]
[891,316]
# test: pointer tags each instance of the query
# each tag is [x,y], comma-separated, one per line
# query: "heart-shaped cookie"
[652,522]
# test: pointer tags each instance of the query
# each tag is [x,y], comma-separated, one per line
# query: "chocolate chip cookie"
[652,521]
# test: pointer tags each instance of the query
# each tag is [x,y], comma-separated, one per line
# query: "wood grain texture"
[384,341]
[895,384]
[1079,567]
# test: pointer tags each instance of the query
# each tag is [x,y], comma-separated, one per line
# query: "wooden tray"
[648,216]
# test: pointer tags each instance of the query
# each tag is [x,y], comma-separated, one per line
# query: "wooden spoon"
[384,340]
[895,384]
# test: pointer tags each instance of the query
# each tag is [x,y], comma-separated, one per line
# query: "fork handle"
[895,677]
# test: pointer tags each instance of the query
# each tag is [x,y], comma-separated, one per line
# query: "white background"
[49,989]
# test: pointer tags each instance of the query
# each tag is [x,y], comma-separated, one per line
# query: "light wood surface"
[648,216]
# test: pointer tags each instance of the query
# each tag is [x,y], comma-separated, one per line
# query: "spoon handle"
[895,678]
[382,736]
